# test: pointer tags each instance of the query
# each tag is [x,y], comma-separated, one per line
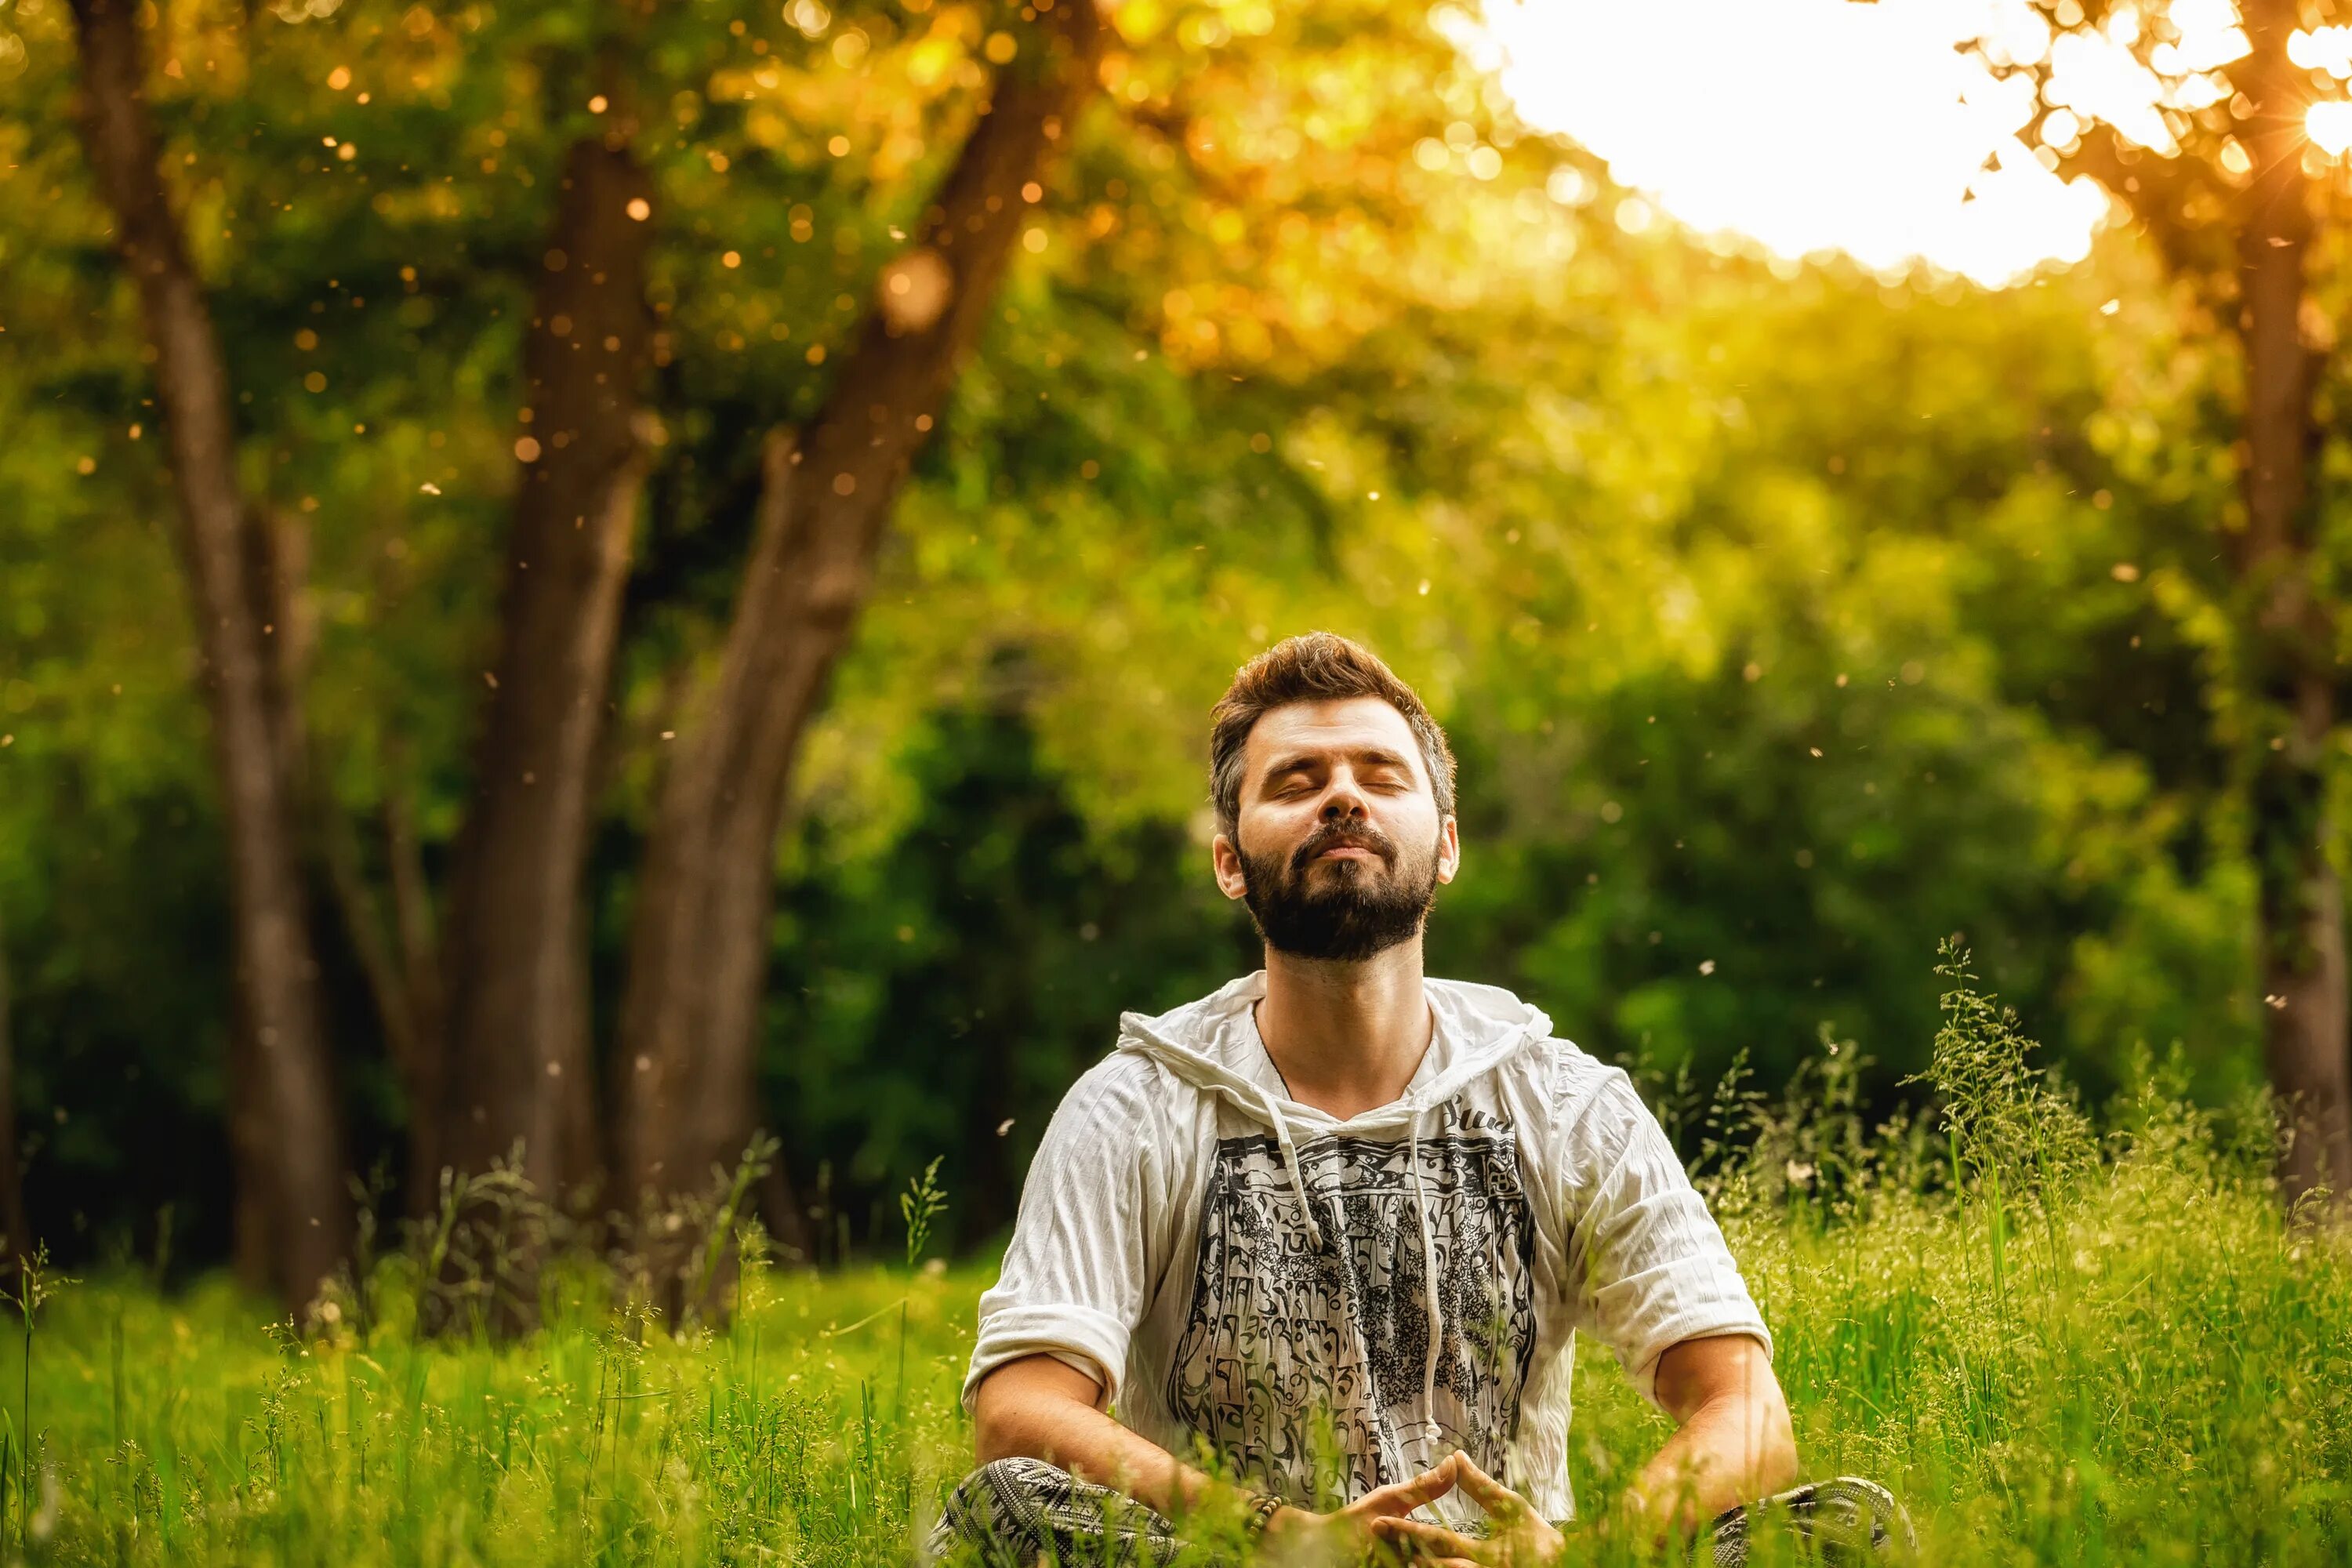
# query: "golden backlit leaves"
[201,51]
[1272,178]
[869,103]
[1249,196]
[1202,27]
[1249,204]
[1284,186]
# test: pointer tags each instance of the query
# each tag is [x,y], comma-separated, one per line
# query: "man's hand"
[1520,1537]
[1297,1536]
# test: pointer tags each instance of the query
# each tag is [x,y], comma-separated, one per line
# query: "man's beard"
[1361,908]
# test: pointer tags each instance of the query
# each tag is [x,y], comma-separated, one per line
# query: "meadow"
[2062,1338]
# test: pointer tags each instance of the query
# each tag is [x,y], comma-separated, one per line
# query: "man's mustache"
[1341,835]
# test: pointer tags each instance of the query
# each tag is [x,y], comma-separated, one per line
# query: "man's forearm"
[1731,1450]
[1034,1411]
[1092,1447]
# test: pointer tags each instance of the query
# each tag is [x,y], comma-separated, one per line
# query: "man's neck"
[1346,1037]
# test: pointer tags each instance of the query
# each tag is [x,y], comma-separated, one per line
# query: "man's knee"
[1011,1478]
[1015,1510]
[1001,1504]
[1846,1521]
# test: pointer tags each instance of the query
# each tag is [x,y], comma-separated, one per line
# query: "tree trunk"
[516,951]
[283,1045]
[683,1084]
[2307,1035]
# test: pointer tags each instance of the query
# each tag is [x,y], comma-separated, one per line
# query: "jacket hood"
[1212,1044]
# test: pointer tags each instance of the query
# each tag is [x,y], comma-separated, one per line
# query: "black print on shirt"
[1282,1335]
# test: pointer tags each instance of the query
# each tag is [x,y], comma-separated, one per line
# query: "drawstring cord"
[1428,1269]
[1267,1103]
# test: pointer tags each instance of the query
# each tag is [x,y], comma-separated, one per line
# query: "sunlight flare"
[2329,126]
[1887,131]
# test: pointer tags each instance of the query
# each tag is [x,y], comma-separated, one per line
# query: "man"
[1331,1231]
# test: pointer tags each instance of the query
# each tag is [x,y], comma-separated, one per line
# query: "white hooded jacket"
[1251,1277]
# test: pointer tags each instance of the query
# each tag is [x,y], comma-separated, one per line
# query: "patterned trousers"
[1022,1513]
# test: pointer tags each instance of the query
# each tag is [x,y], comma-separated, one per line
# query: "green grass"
[2060,1343]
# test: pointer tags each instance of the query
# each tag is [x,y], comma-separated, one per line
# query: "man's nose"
[1342,801]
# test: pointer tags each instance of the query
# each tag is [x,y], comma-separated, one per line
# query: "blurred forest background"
[606,575]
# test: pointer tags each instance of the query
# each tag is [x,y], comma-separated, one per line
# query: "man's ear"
[1227,861]
[1449,849]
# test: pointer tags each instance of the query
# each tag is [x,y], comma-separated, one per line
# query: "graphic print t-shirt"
[1392,1288]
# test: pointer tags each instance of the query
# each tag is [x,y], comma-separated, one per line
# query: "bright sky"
[1822,125]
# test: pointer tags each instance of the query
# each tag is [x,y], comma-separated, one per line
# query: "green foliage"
[957,978]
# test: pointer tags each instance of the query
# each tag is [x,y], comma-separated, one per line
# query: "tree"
[2225,181]
[287,1125]
[683,1066]
[518,983]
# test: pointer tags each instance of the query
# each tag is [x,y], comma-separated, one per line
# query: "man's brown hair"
[1320,666]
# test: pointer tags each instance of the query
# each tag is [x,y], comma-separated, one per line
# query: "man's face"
[1341,847]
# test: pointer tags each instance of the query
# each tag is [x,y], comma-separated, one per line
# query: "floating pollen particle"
[914,291]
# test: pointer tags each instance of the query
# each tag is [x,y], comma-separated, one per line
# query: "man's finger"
[1405,1496]
[1428,1539]
[1485,1490]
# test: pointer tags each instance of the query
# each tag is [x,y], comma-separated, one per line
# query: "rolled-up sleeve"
[1074,1280]
[1647,1264]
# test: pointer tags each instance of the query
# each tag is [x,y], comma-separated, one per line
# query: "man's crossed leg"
[1019,1513]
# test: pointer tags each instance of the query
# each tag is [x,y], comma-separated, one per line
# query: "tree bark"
[282,1045]
[684,1081]
[516,951]
[2307,1035]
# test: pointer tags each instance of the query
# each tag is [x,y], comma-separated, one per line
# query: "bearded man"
[1331,1231]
